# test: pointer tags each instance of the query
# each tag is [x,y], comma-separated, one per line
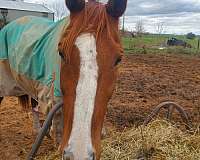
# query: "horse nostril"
[67,155]
[92,157]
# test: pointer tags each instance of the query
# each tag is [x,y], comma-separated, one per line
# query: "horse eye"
[61,55]
[118,61]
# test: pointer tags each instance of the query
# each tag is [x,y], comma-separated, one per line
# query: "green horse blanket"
[29,59]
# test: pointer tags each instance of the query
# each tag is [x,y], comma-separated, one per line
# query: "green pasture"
[151,44]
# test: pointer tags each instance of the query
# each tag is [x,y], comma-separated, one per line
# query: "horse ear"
[75,5]
[116,8]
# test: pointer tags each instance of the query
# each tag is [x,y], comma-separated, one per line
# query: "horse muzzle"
[67,155]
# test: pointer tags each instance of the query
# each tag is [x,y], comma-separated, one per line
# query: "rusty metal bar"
[170,106]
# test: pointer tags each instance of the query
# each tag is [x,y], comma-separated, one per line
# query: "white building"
[11,10]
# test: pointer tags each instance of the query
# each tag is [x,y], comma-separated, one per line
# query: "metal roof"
[19,5]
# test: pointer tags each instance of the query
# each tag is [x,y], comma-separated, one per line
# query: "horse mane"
[92,19]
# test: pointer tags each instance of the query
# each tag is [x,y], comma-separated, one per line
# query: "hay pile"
[157,141]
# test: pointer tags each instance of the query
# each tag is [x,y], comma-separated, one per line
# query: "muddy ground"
[144,82]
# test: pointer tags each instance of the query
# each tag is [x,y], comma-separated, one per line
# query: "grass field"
[151,44]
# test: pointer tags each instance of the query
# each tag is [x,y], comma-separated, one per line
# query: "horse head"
[91,50]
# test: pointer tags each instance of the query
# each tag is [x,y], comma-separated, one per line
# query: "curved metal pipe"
[170,106]
[43,131]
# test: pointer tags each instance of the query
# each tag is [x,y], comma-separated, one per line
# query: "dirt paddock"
[144,82]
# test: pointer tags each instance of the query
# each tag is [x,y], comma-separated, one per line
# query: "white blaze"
[80,143]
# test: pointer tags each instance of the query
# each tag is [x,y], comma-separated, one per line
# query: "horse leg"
[58,126]
[1,98]
[35,114]
[24,102]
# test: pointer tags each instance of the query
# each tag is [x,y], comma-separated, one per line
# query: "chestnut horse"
[83,76]
[91,50]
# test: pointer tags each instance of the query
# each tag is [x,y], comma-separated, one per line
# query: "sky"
[177,16]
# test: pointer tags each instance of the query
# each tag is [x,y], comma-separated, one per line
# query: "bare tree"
[159,27]
[139,27]
[59,9]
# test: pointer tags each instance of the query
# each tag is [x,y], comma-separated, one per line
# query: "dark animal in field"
[178,42]
[190,35]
